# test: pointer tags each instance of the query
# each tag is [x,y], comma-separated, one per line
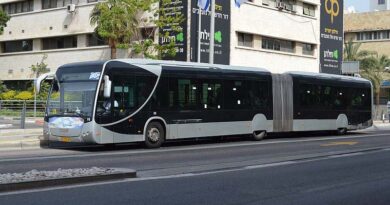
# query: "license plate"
[65,139]
[64,130]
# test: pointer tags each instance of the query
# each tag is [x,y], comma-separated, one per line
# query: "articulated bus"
[130,100]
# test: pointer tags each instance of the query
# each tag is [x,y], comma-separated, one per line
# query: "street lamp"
[35,98]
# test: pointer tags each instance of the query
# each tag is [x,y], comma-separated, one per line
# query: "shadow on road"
[194,141]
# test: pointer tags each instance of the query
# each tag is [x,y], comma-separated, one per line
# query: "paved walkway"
[16,139]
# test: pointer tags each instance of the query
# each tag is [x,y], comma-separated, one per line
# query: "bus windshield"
[73,93]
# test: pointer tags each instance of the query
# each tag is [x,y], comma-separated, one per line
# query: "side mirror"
[40,79]
[107,86]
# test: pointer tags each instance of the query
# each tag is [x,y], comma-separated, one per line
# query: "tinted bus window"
[360,99]
[211,95]
[235,95]
[258,94]
[132,92]
[187,93]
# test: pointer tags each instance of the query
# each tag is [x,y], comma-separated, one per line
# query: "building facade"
[46,27]
[278,39]
[372,30]
[379,5]
[277,35]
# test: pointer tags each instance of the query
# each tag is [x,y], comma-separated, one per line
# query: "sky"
[359,5]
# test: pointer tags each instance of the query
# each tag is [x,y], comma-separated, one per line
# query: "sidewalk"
[37,120]
[18,139]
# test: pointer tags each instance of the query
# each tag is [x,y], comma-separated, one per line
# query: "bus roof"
[141,62]
[327,76]
[184,64]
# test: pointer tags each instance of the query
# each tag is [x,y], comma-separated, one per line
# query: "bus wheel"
[259,135]
[341,131]
[154,135]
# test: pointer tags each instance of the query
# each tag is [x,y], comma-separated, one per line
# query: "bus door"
[186,120]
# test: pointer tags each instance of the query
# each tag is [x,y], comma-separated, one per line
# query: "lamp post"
[35,98]
[212,29]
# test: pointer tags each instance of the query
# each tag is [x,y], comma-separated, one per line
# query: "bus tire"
[341,131]
[259,135]
[154,135]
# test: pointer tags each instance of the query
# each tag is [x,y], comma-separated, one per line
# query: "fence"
[14,108]
[15,112]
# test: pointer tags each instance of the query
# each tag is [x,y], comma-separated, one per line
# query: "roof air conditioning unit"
[280,5]
[71,8]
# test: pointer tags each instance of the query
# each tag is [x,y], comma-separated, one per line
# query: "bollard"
[383,118]
[23,116]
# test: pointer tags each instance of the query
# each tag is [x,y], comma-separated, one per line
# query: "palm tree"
[116,21]
[352,51]
[373,69]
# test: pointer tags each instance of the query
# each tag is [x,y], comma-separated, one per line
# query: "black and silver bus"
[132,100]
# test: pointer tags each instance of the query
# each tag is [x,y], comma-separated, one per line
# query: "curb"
[5,125]
[123,174]
[20,145]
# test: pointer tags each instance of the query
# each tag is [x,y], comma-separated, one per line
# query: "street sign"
[331,36]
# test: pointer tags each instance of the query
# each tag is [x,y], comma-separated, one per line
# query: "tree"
[162,18]
[4,18]
[374,69]
[40,68]
[352,51]
[3,88]
[37,70]
[119,23]
[116,21]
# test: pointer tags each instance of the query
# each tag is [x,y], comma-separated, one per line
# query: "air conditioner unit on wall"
[71,8]
[280,5]
[294,8]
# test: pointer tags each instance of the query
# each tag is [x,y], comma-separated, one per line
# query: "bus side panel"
[318,103]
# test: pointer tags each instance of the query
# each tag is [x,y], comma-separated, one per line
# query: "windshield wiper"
[78,114]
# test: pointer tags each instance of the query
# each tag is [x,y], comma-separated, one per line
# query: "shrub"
[24,95]
[9,95]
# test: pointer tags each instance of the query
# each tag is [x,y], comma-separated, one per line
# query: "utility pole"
[212,31]
[199,33]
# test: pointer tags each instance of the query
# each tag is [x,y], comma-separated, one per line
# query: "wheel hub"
[154,135]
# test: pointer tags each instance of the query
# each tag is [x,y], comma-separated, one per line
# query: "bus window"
[131,92]
[211,95]
[172,93]
[360,99]
[326,97]
[340,99]
[187,94]
[307,95]
[258,94]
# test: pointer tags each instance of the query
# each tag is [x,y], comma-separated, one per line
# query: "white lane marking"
[270,165]
[186,148]
[346,155]
[260,166]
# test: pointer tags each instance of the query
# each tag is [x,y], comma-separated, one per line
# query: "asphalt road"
[359,179]
[352,169]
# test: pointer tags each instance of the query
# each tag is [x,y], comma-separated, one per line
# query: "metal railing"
[16,107]
[18,110]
